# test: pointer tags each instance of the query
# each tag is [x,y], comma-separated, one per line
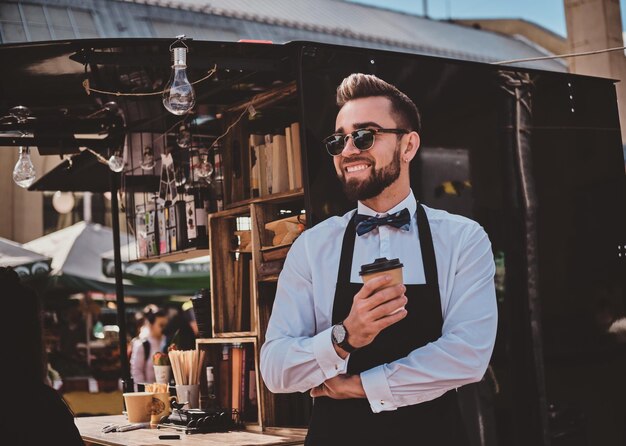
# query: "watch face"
[339,333]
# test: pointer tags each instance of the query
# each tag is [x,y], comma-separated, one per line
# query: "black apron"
[351,421]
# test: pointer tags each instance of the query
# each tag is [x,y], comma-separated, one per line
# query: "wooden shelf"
[266,98]
[234,334]
[233,295]
[237,314]
[224,374]
[233,340]
[235,211]
[273,198]
[177,256]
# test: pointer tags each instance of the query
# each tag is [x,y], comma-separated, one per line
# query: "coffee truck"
[534,156]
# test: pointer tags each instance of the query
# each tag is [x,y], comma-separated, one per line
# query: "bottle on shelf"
[218,178]
[201,203]
[211,403]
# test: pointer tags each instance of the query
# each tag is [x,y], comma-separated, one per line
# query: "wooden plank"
[225,340]
[265,301]
[234,334]
[257,223]
[233,211]
[90,429]
[266,98]
[222,274]
[176,256]
[273,198]
[273,253]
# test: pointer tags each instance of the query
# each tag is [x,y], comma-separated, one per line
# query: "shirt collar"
[409,202]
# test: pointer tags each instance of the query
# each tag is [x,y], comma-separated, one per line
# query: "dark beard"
[378,181]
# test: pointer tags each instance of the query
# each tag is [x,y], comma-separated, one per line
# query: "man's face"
[366,174]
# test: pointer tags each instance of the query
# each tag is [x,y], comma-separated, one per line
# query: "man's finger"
[318,391]
[391,319]
[371,286]
[384,295]
[389,307]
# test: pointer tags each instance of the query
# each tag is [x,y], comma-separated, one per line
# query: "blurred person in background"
[182,328]
[150,341]
[27,389]
[139,329]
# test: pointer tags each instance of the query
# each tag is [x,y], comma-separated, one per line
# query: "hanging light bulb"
[63,202]
[178,96]
[24,171]
[116,162]
[147,158]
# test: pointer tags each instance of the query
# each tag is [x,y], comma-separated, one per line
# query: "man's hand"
[371,310]
[340,387]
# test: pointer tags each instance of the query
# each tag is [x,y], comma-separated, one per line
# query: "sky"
[547,13]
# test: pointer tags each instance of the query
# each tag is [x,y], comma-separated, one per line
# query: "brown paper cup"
[396,279]
[138,406]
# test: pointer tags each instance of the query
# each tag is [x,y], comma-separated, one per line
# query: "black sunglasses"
[363,139]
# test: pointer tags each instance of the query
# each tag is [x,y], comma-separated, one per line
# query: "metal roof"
[337,21]
[327,21]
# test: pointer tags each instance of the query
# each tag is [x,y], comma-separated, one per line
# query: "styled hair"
[359,85]
[151,312]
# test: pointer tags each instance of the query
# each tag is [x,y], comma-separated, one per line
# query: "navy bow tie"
[366,223]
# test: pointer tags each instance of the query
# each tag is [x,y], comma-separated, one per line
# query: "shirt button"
[382,403]
[336,367]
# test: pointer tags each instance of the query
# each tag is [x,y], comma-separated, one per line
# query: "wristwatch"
[340,337]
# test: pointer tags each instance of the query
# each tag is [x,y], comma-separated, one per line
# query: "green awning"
[28,264]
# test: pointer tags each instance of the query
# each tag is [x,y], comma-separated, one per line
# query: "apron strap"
[426,244]
[347,252]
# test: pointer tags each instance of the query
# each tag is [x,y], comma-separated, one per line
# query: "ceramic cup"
[189,394]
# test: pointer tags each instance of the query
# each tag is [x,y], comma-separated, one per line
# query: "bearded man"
[382,362]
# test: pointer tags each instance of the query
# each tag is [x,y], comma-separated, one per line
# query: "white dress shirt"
[298,353]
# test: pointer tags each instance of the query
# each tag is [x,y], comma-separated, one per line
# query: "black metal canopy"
[48,77]
[82,173]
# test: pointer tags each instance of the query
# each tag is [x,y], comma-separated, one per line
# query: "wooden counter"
[91,431]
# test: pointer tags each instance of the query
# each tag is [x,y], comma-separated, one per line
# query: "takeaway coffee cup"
[138,406]
[381,267]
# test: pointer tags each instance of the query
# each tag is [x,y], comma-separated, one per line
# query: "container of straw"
[186,366]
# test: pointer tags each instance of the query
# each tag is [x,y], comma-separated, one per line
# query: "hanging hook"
[179,39]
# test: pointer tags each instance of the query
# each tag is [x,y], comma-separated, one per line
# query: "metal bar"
[67,143]
[523,119]
[163,60]
[522,302]
[127,380]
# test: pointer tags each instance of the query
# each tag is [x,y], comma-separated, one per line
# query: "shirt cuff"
[326,355]
[377,389]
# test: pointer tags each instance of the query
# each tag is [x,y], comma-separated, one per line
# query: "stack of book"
[275,162]
[237,381]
